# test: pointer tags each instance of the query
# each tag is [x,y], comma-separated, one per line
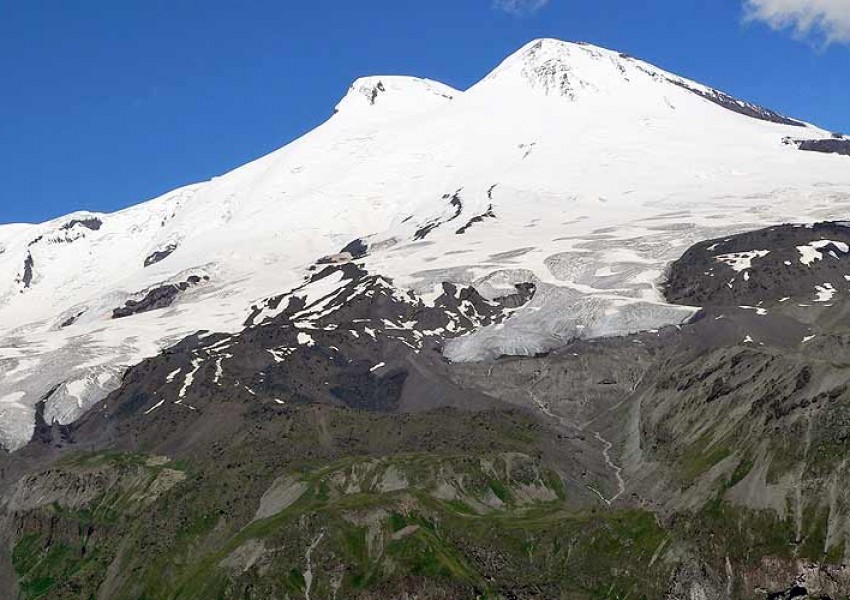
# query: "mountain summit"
[574,169]
[394,93]
[578,71]
[573,70]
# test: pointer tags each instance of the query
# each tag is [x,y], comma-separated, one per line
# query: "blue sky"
[104,104]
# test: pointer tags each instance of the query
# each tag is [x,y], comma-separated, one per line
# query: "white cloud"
[519,7]
[828,20]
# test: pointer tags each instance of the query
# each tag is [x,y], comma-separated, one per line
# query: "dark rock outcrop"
[26,276]
[160,297]
[488,214]
[455,202]
[71,320]
[92,223]
[160,255]
[827,146]
[747,109]
[803,263]
[357,248]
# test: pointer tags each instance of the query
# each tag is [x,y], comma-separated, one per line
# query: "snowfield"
[573,167]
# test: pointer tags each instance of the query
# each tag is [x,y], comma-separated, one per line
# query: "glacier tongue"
[572,167]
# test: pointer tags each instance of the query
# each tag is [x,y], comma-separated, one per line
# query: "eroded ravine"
[607,445]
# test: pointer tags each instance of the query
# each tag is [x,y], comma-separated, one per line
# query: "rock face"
[92,223]
[740,107]
[155,299]
[345,338]
[796,263]
[826,146]
[159,255]
[26,276]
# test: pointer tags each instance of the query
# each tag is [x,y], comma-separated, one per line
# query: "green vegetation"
[481,515]
[700,457]
[479,525]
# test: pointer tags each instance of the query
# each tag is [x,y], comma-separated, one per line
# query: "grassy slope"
[445,504]
[473,515]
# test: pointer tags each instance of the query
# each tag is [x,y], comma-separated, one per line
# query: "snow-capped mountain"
[577,169]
